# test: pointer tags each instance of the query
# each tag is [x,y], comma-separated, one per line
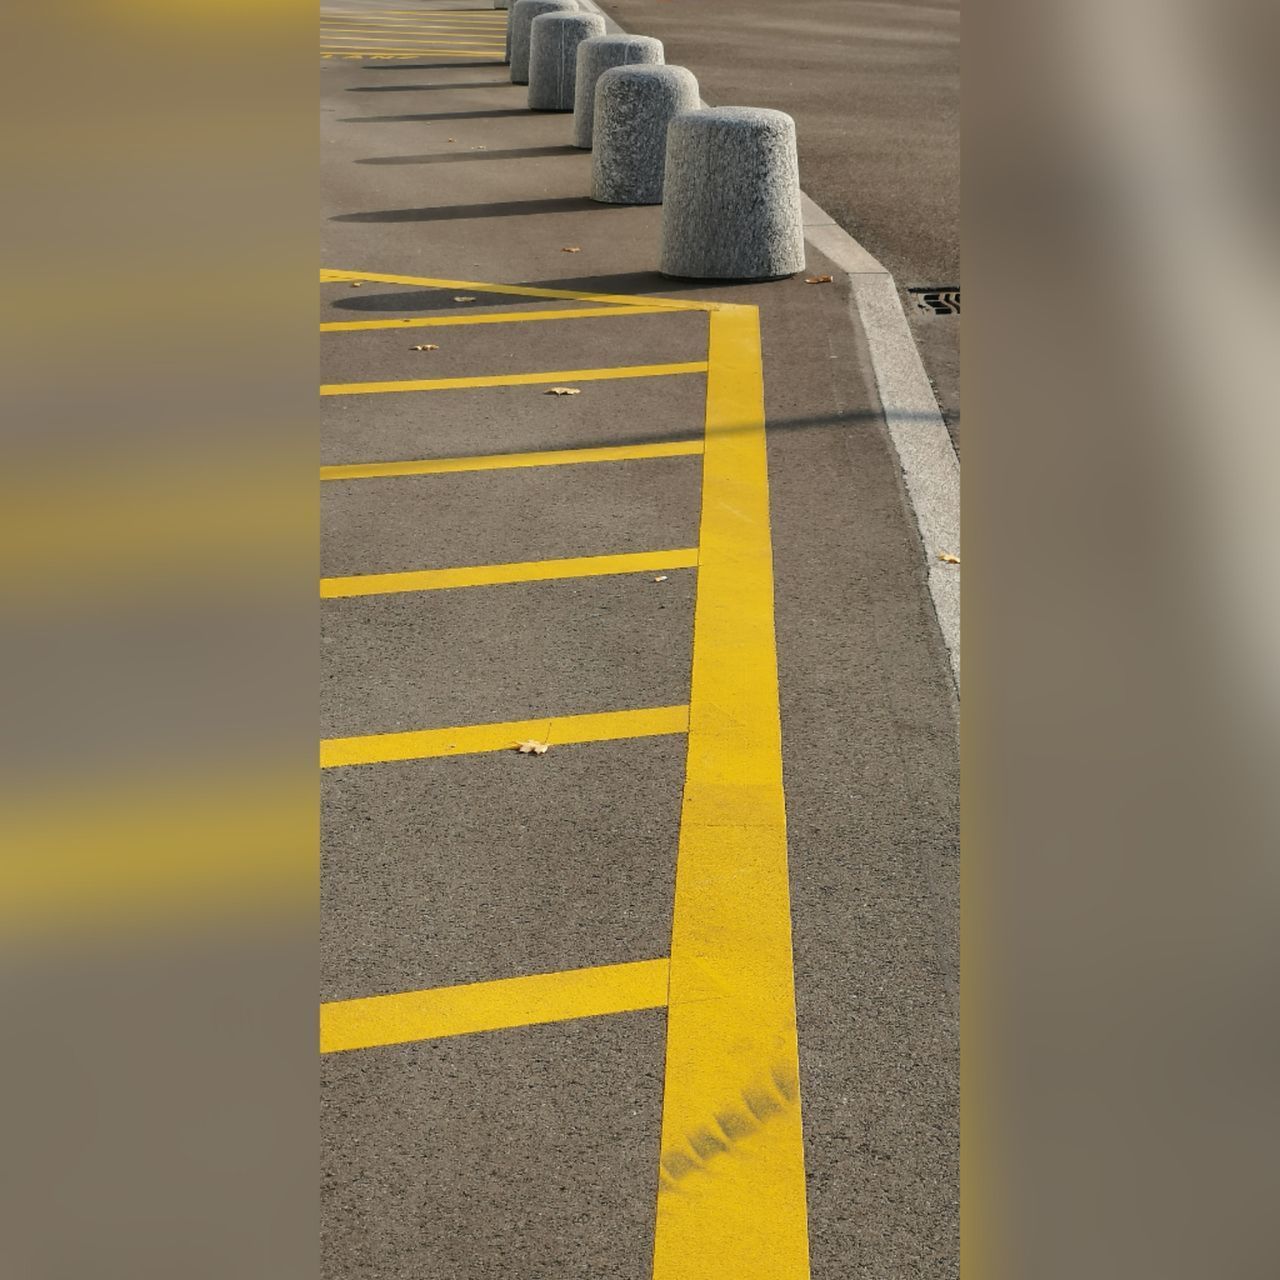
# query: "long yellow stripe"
[510,461]
[330,275]
[493,575]
[493,317]
[472,739]
[402,53]
[731,1198]
[490,1006]
[515,379]
[405,38]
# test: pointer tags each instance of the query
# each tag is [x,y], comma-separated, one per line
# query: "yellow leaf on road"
[533,747]
[562,391]
[465,298]
[426,346]
[571,248]
[947,558]
[817,279]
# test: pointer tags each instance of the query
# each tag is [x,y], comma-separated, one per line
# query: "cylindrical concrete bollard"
[634,106]
[595,57]
[731,203]
[519,19]
[553,57]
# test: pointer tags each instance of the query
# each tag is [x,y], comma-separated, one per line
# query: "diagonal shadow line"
[455,212]
[432,66]
[428,116]
[418,88]
[448,157]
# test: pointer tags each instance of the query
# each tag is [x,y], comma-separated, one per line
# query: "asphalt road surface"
[875,92]
[599,1012]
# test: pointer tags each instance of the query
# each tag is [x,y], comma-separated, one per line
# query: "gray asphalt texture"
[531,1153]
[875,91]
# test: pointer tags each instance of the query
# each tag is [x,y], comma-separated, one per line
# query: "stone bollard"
[633,107]
[595,57]
[731,206]
[553,57]
[519,18]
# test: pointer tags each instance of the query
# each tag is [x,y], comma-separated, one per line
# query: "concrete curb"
[926,457]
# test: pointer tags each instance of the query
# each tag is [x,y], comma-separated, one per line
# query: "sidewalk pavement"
[558,1022]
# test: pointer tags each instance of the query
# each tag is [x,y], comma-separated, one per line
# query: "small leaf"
[562,391]
[947,558]
[533,747]
[571,248]
[661,578]
[451,139]
[817,279]
[464,298]
[479,148]
[355,284]
[425,346]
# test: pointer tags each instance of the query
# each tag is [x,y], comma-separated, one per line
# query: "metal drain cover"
[937,299]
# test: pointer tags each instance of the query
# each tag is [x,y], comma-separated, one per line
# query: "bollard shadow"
[635,282]
[427,116]
[448,157]
[419,88]
[459,212]
[433,66]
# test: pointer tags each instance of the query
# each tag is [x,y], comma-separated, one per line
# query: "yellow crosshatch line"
[473,739]
[489,317]
[493,575]
[330,275]
[509,461]
[491,1006]
[515,379]
[731,1195]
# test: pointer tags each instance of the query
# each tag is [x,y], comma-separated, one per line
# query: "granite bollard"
[553,57]
[595,57]
[633,107]
[519,19]
[731,201]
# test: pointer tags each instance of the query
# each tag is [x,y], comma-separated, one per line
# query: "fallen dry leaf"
[661,578]
[562,391]
[533,747]
[479,148]
[425,346]
[355,284]
[947,558]
[817,279]
[571,248]
[451,139]
[465,298]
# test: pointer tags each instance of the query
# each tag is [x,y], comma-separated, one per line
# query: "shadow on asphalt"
[439,115]
[453,212]
[448,157]
[417,88]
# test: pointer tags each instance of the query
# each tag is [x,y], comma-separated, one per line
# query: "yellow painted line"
[496,575]
[406,38]
[492,1006]
[731,1198]
[515,379]
[510,461]
[472,739]
[403,53]
[330,275]
[493,317]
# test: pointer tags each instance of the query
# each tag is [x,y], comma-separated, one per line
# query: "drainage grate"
[937,299]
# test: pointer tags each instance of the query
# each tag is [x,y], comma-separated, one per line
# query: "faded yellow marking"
[472,739]
[509,461]
[490,1006]
[330,275]
[732,1189]
[493,575]
[514,379]
[490,317]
